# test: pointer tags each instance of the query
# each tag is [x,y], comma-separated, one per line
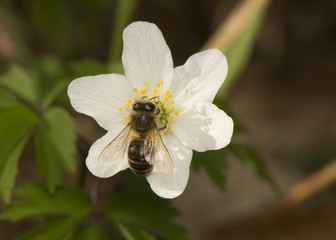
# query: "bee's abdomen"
[136,158]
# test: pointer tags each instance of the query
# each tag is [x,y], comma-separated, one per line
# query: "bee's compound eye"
[150,107]
[135,106]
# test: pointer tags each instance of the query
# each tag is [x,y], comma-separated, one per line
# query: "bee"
[141,140]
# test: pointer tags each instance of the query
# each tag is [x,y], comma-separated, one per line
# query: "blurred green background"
[280,89]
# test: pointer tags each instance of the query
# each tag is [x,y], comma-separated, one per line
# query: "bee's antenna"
[153,98]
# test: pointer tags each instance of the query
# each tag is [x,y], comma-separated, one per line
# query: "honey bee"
[141,140]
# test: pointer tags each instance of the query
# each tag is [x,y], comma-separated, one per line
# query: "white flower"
[185,93]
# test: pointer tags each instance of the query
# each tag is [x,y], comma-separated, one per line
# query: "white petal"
[204,127]
[146,56]
[100,97]
[171,186]
[200,77]
[104,169]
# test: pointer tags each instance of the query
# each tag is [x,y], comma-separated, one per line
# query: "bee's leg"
[158,111]
[164,126]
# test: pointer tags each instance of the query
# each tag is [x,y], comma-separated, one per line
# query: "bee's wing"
[117,148]
[156,152]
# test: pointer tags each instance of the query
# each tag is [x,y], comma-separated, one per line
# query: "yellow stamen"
[134,98]
[158,85]
[169,94]
[147,83]
[172,101]
[181,110]
[170,119]
[126,118]
[127,104]
[120,109]
[171,128]
[149,95]
[176,113]
[135,89]
[143,90]
[161,82]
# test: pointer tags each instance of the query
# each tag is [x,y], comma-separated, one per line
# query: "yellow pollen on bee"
[120,109]
[147,84]
[126,118]
[135,89]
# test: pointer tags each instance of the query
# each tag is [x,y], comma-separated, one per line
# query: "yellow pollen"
[166,107]
[176,113]
[161,82]
[158,84]
[135,89]
[170,119]
[126,118]
[143,90]
[147,83]
[172,101]
[169,94]
[127,104]
[134,98]
[120,109]
[181,110]
[149,95]
[171,128]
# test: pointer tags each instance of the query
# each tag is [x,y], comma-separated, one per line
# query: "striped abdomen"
[136,158]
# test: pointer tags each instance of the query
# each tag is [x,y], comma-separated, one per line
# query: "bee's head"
[144,106]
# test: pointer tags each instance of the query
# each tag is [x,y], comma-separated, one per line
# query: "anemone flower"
[185,118]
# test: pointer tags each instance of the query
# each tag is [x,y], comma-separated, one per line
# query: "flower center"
[167,113]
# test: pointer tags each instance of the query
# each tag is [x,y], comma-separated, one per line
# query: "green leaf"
[21,82]
[214,164]
[252,160]
[16,125]
[145,210]
[92,232]
[54,229]
[56,90]
[7,99]
[55,143]
[67,200]
[131,233]
[88,67]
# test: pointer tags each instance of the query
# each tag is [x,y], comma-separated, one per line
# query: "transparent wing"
[156,152]
[117,148]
